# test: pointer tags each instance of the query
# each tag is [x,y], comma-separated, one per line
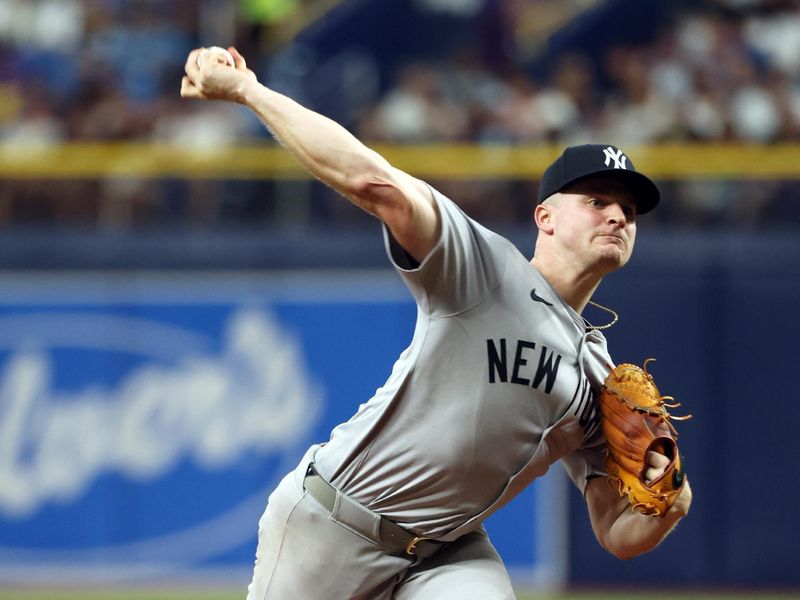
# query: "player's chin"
[613,258]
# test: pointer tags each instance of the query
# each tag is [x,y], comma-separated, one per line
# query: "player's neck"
[574,286]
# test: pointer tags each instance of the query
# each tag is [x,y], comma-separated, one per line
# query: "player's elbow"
[622,553]
[626,547]
[619,550]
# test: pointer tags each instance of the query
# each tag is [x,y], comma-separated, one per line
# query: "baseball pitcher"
[502,378]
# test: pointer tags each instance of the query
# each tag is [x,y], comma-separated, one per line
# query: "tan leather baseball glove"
[635,421]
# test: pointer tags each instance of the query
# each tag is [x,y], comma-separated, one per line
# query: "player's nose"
[615,214]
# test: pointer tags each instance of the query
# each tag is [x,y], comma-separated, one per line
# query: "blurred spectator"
[635,111]
[43,24]
[417,111]
[36,124]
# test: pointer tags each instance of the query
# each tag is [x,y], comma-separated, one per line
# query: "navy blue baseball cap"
[598,160]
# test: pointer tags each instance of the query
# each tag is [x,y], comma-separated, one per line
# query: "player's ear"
[543,216]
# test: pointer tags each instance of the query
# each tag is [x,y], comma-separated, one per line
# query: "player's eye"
[629,212]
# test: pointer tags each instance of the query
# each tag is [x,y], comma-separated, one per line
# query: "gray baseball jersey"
[498,383]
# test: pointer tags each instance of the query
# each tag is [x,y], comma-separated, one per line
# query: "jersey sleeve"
[462,268]
[586,462]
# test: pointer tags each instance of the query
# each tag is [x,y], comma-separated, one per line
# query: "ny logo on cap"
[617,156]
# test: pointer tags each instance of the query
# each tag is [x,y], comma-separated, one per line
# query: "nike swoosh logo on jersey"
[537,298]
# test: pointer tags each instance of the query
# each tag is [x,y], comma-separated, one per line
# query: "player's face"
[596,220]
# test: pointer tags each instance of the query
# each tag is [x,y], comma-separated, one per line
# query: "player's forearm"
[633,533]
[323,147]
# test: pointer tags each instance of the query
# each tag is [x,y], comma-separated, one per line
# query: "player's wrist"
[247,91]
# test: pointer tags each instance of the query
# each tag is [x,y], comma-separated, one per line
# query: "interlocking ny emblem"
[617,156]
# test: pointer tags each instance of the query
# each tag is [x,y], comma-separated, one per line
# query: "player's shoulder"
[452,210]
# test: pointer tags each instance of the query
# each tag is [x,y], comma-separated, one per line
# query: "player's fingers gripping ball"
[635,421]
[215,54]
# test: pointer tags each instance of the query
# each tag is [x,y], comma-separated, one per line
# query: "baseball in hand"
[215,54]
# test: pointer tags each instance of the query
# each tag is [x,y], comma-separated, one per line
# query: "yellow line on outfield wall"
[141,160]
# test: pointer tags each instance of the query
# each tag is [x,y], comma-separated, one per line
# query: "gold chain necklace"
[608,310]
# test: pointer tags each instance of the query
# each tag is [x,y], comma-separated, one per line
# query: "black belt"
[392,536]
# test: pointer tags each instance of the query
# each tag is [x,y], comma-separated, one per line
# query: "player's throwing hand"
[215,80]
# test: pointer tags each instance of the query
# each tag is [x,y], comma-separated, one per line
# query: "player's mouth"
[616,239]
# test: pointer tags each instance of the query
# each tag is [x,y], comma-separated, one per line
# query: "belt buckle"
[411,547]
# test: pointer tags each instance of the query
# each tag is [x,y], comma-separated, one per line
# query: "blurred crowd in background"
[110,70]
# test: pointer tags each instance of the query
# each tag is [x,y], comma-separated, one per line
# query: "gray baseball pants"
[306,552]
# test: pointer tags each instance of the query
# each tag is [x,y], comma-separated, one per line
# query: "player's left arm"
[626,533]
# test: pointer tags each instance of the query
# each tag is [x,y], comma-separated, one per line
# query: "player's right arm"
[327,151]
